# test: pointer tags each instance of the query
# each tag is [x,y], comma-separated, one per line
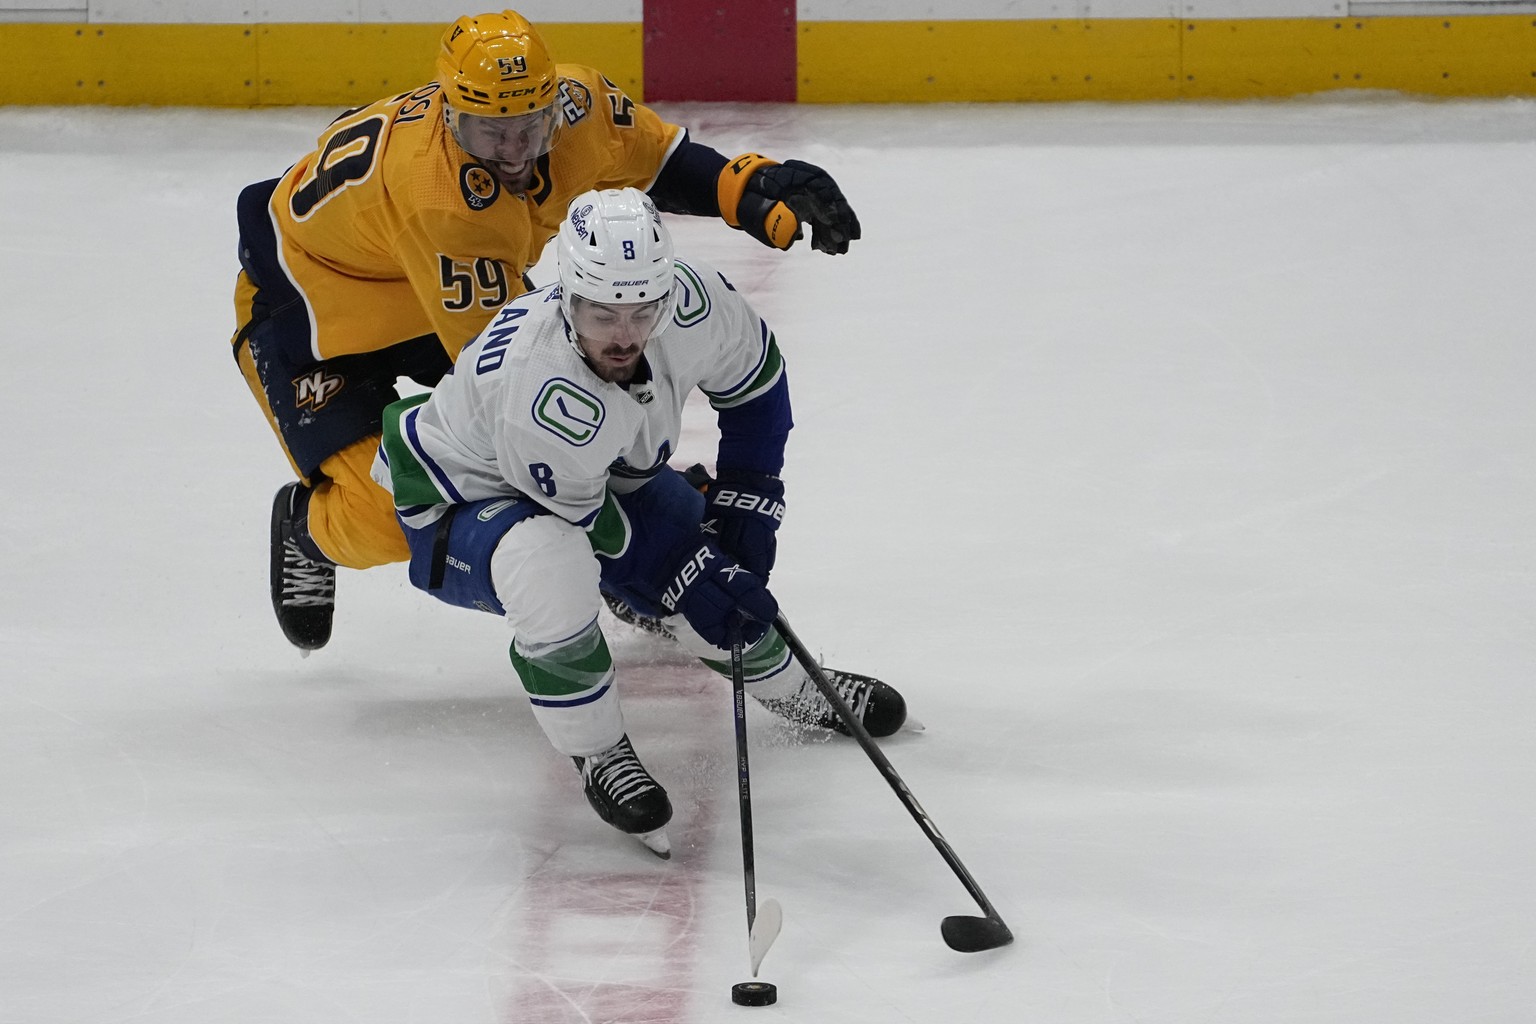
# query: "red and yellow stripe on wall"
[695,50]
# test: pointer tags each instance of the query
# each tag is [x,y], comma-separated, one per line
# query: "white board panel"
[1121,9]
[1045,10]
[236,12]
[177,12]
[536,11]
[74,11]
[926,10]
[1195,9]
[1452,7]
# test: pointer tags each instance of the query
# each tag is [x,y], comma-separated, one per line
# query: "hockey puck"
[754,993]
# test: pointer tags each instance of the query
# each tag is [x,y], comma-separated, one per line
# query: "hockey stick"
[962,933]
[763,923]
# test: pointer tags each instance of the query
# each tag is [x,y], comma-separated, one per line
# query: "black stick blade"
[973,934]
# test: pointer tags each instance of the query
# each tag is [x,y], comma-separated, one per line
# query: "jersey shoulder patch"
[478,185]
[692,302]
[575,96]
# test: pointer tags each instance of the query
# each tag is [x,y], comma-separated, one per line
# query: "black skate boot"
[877,705]
[624,795]
[303,585]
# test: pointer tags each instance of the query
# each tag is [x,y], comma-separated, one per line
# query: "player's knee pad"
[319,407]
[546,579]
[451,556]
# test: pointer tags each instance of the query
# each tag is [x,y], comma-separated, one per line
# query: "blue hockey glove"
[773,201]
[710,589]
[747,508]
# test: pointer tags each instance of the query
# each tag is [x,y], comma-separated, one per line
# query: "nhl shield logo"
[479,186]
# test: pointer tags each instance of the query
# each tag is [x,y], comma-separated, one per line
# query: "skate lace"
[306,583]
[855,692]
[620,774]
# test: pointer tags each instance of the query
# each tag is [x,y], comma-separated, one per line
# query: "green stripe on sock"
[765,655]
[580,665]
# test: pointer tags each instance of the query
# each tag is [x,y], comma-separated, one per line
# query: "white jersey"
[523,415]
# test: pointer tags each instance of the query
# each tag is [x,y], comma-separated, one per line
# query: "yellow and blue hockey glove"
[772,202]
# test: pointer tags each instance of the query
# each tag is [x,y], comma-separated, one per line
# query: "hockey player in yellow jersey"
[381,253]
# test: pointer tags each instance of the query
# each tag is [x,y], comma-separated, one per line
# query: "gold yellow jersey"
[390,231]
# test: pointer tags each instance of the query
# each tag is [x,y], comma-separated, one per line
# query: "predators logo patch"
[479,186]
[314,390]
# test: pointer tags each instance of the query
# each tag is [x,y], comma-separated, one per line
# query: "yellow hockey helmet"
[496,65]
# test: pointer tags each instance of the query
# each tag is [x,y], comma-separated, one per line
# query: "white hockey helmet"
[614,250]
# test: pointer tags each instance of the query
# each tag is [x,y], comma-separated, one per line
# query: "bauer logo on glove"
[748,508]
[745,501]
[686,576]
[712,590]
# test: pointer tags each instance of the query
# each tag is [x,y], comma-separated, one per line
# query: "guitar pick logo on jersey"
[316,388]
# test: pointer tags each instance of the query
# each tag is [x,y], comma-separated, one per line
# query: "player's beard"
[617,374]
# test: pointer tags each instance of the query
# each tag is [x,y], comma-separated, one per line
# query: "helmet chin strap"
[571,337]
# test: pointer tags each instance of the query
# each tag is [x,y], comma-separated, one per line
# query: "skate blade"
[657,842]
[912,725]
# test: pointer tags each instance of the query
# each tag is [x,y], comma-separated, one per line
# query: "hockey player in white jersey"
[534,480]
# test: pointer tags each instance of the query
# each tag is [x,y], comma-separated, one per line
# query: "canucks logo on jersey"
[569,411]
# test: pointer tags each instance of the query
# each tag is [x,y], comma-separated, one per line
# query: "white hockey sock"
[570,687]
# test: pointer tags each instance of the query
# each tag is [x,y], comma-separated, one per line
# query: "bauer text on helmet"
[615,263]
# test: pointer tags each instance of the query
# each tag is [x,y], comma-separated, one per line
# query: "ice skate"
[877,705]
[625,795]
[303,587]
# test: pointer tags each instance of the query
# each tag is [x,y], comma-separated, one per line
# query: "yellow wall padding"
[1152,59]
[258,65]
[839,62]
[962,61]
[1446,56]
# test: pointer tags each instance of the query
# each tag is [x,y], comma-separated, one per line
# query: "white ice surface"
[1178,463]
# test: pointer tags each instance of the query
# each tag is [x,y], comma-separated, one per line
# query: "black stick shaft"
[743,778]
[819,677]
